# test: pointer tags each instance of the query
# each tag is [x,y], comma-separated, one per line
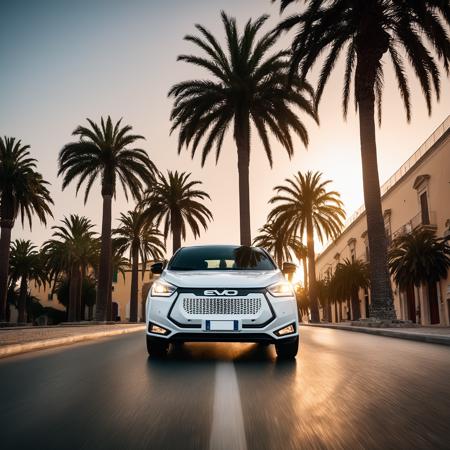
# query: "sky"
[64,61]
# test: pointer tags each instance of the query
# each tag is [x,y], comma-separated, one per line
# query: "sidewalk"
[20,340]
[430,334]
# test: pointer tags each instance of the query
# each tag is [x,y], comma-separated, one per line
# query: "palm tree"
[367,31]
[88,289]
[324,298]
[279,243]
[144,241]
[103,152]
[22,192]
[348,278]
[306,207]
[302,298]
[249,85]
[119,265]
[419,258]
[175,200]
[73,249]
[25,264]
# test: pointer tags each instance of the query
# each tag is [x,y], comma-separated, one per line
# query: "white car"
[221,293]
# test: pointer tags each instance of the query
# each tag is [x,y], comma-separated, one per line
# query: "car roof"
[216,245]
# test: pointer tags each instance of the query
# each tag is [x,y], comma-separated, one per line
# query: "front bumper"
[259,326]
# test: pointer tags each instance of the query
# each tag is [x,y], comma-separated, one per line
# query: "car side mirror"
[157,268]
[289,268]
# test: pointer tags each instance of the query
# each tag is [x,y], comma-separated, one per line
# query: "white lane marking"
[227,431]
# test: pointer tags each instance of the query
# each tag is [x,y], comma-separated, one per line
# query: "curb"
[61,325]
[16,349]
[428,338]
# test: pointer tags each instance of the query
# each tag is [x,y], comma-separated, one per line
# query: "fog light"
[152,328]
[286,330]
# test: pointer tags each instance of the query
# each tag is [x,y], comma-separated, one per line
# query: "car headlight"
[281,289]
[161,288]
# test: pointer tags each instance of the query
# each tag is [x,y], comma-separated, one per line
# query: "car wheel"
[287,350]
[157,348]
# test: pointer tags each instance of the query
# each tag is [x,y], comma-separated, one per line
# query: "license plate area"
[221,325]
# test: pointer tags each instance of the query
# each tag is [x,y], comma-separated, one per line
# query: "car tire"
[157,348]
[287,350]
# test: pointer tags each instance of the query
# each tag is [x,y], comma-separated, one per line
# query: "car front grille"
[222,306]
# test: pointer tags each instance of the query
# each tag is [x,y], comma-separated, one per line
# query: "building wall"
[43,294]
[427,173]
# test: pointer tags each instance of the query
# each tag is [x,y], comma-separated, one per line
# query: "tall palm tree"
[74,248]
[105,152]
[348,278]
[25,264]
[144,241]
[279,242]
[369,32]
[304,206]
[419,258]
[22,192]
[248,86]
[175,201]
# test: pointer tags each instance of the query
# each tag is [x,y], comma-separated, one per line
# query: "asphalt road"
[345,391]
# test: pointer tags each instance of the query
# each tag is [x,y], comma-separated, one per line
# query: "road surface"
[345,391]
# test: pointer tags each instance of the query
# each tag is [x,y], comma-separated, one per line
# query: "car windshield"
[221,257]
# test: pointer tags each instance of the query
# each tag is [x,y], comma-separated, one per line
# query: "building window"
[387,225]
[366,245]
[367,302]
[425,213]
[421,184]
[352,246]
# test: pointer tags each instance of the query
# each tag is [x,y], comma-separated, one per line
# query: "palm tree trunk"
[329,313]
[109,308]
[73,294]
[315,318]
[356,312]
[176,231]
[134,284]
[305,273]
[78,298]
[280,262]
[335,311]
[104,273]
[381,293]
[5,243]
[242,137]
[22,300]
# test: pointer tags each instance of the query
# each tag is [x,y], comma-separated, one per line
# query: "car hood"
[222,279]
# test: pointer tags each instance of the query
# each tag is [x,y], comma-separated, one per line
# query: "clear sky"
[63,61]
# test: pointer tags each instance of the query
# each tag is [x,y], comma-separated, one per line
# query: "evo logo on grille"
[224,292]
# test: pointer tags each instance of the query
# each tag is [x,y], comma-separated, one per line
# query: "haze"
[64,61]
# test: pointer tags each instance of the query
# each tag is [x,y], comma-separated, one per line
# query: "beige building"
[121,287]
[418,194]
